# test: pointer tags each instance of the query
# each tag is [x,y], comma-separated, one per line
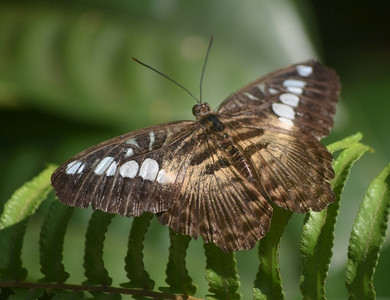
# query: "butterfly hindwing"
[218,203]
[293,170]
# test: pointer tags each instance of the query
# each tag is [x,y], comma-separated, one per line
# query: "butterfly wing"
[304,94]
[201,187]
[218,203]
[277,121]
[293,170]
[129,174]
[176,171]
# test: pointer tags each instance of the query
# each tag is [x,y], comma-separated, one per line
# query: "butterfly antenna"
[204,67]
[167,77]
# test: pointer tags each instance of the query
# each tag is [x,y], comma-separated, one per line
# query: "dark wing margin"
[130,174]
[304,94]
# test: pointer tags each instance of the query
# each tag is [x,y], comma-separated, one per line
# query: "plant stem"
[93,288]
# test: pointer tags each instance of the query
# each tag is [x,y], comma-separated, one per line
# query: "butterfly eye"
[200,109]
[196,110]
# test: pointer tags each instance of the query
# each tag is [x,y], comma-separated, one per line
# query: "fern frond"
[177,275]
[318,231]
[11,243]
[13,222]
[367,237]
[51,242]
[268,282]
[221,274]
[134,265]
[26,294]
[221,270]
[26,199]
[95,271]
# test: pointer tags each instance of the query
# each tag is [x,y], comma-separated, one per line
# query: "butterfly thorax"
[207,118]
[212,123]
[218,135]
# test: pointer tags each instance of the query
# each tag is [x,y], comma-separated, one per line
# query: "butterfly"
[219,176]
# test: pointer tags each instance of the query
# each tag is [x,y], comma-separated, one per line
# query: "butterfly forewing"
[217,177]
[303,94]
[130,174]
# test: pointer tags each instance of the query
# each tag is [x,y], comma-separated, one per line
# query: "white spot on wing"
[129,152]
[289,99]
[73,167]
[283,110]
[261,87]
[161,176]
[250,96]
[304,70]
[111,169]
[149,169]
[286,121]
[81,169]
[103,165]
[294,83]
[295,90]
[151,138]
[129,169]
[273,91]
[132,141]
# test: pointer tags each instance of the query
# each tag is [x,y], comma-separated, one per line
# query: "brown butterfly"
[218,176]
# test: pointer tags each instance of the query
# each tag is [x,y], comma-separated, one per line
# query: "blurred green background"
[67,82]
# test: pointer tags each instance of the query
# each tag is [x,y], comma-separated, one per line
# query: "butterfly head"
[201,109]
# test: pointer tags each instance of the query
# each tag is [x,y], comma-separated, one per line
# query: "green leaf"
[26,294]
[13,222]
[104,296]
[5,292]
[221,274]
[345,143]
[318,230]
[68,295]
[135,269]
[367,237]
[95,271]
[27,198]
[177,275]
[52,241]
[268,283]
[11,243]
